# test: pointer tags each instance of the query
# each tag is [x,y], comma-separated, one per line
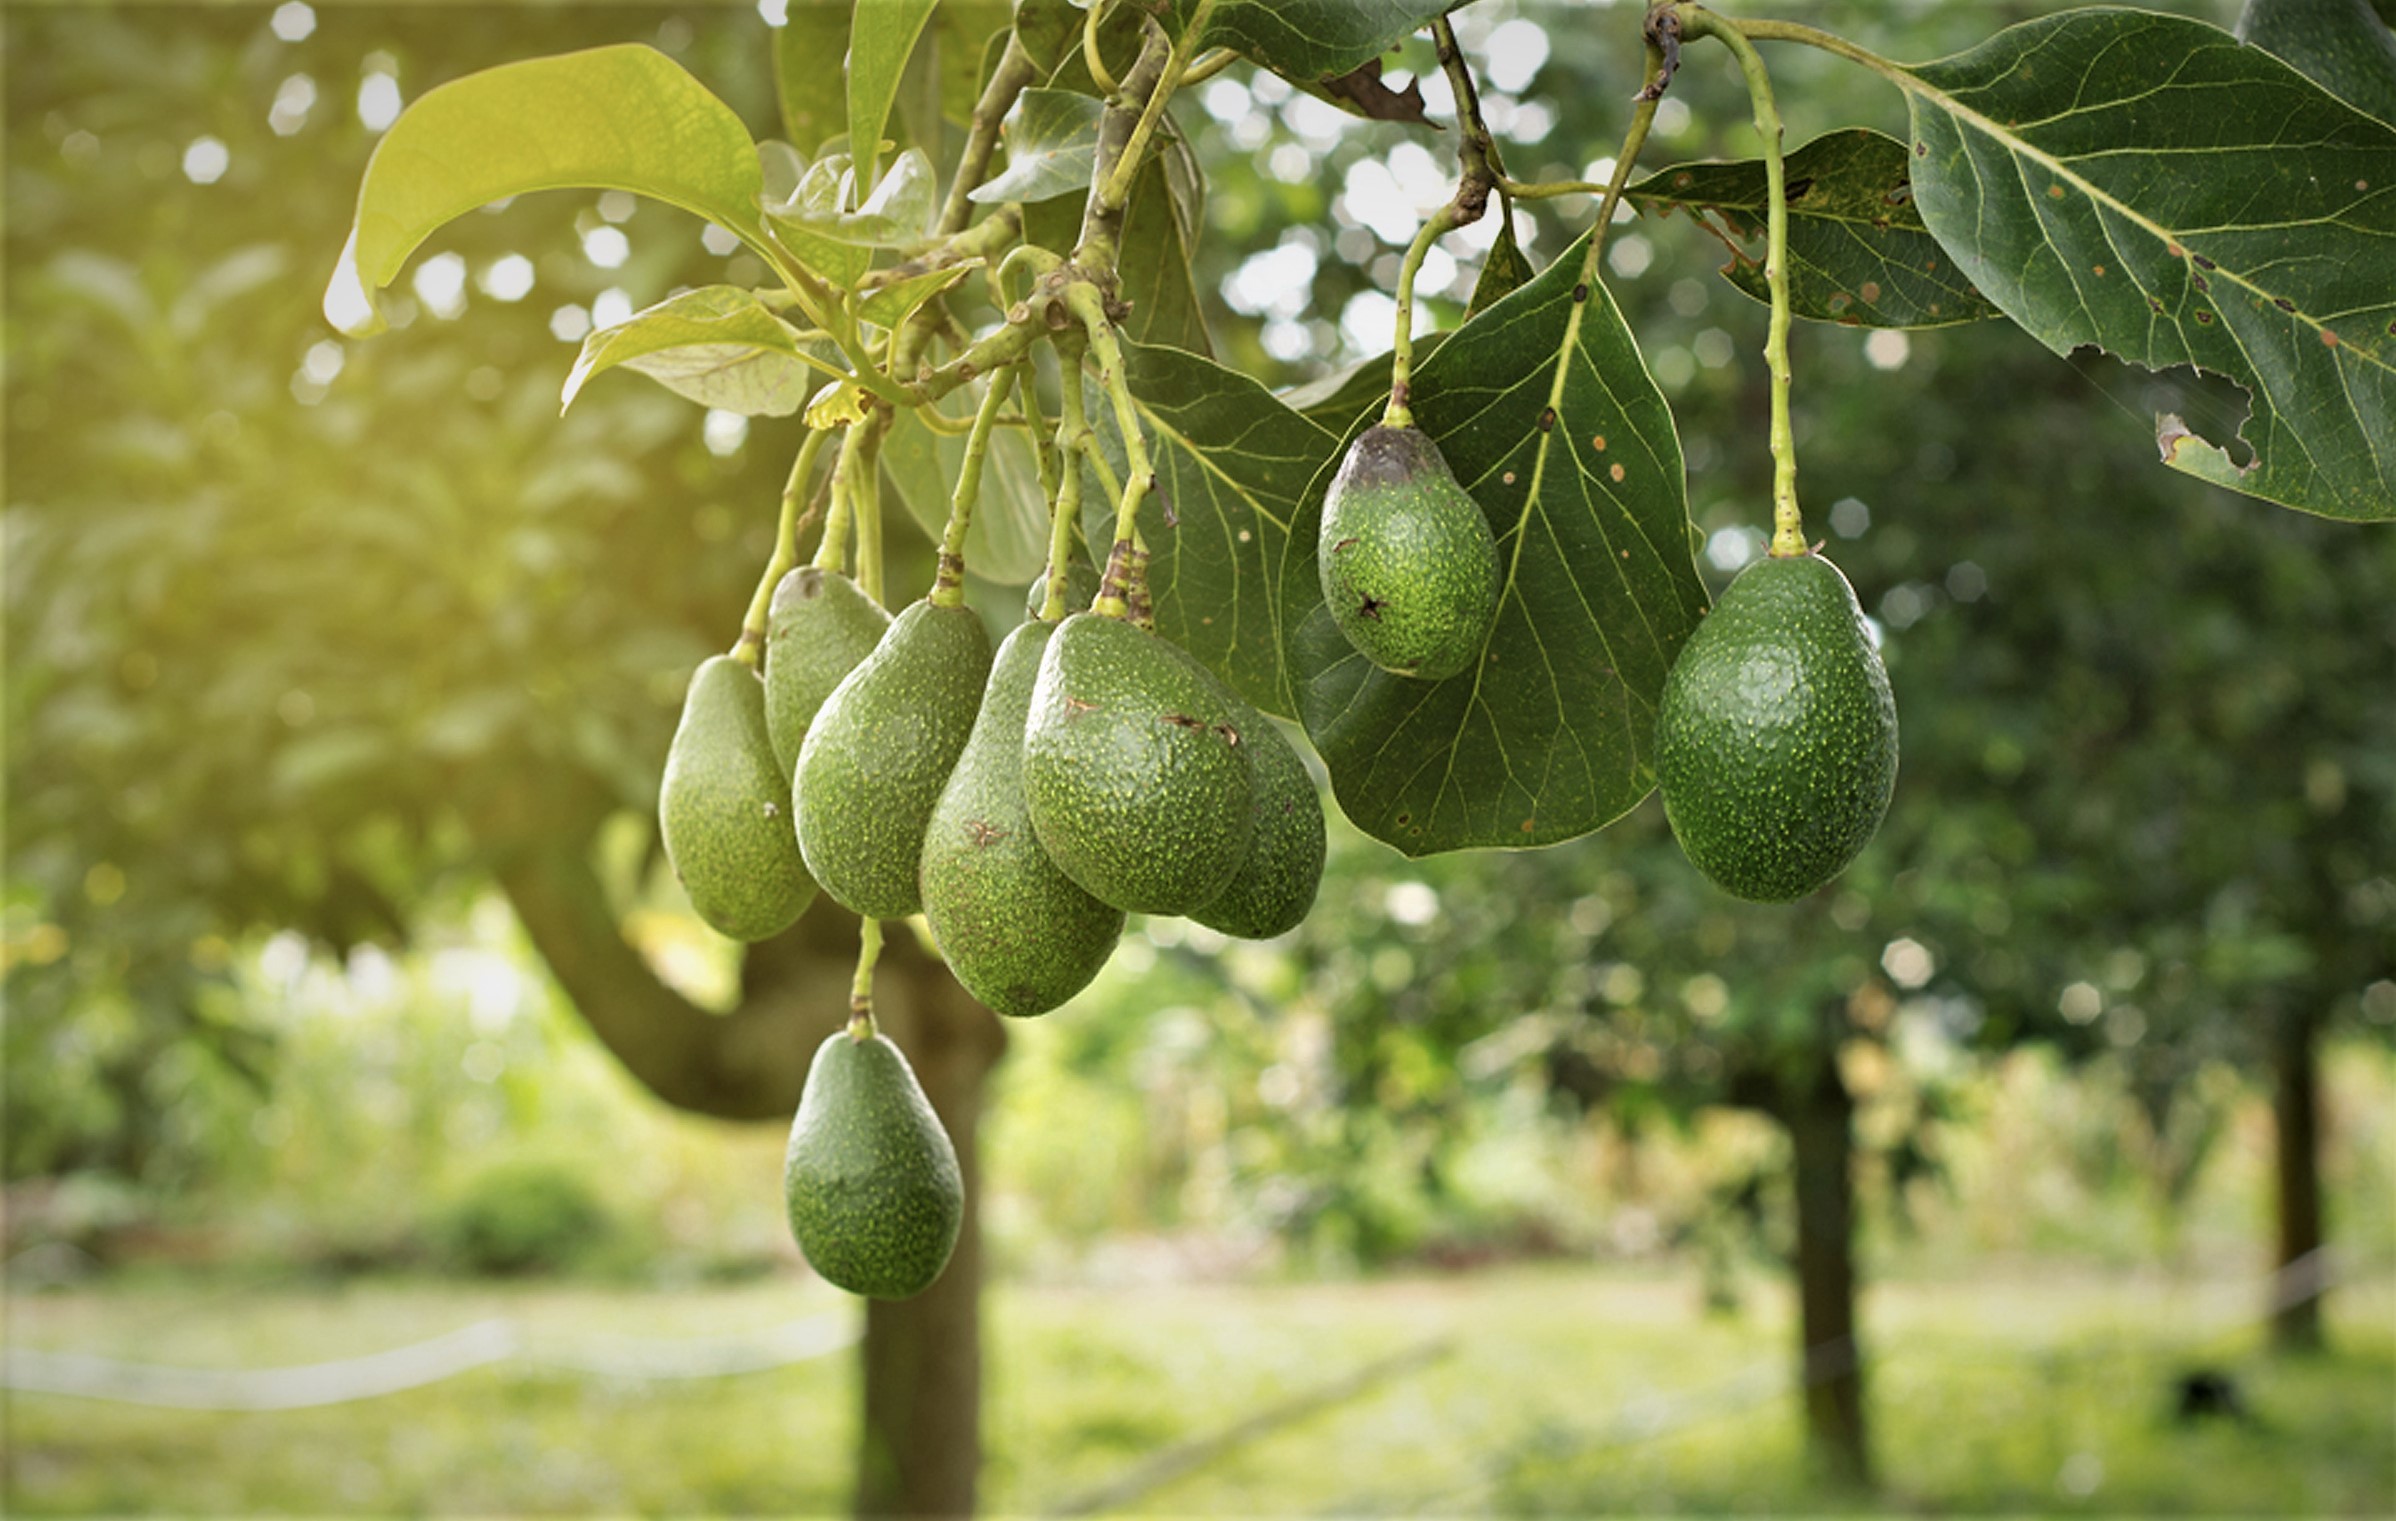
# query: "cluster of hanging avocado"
[1023,804]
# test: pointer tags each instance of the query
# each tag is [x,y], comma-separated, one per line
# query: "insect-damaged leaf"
[1545,411]
[2057,162]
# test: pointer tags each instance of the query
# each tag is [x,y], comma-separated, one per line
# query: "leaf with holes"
[1232,461]
[1545,411]
[720,346]
[2149,185]
[613,118]
[1307,41]
[1858,252]
[1052,144]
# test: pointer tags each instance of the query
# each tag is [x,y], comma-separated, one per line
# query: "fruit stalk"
[861,986]
[867,482]
[750,651]
[948,583]
[1788,527]
[1139,472]
[1399,414]
[1066,493]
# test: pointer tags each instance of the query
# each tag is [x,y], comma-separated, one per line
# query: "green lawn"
[1566,1391]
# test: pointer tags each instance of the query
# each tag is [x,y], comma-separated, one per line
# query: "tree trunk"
[2295,1108]
[920,1448]
[1820,1117]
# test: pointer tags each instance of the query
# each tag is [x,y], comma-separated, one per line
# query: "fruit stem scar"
[1788,526]
[861,987]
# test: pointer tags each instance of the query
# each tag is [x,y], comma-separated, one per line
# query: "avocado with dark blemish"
[870,1177]
[723,808]
[818,630]
[1135,767]
[1776,739]
[1275,885]
[881,748]
[1017,932]
[1408,565]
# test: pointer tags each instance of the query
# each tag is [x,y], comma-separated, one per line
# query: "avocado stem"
[750,651]
[1072,422]
[861,987]
[1788,526]
[948,582]
[1139,476]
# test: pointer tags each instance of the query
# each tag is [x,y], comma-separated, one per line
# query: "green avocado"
[2341,45]
[880,750]
[820,627]
[1136,768]
[870,1177]
[1017,932]
[724,808]
[1275,885]
[1776,740]
[1081,589]
[1408,565]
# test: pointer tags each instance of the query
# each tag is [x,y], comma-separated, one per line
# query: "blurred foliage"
[520,1215]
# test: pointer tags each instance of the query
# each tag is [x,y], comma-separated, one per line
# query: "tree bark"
[920,1446]
[2295,1109]
[1819,1114]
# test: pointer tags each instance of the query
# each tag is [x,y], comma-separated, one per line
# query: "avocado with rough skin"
[723,808]
[1275,885]
[1776,739]
[819,628]
[1136,769]
[870,1176]
[1017,932]
[879,751]
[1408,566]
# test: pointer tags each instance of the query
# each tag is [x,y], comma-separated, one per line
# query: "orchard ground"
[2023,1387]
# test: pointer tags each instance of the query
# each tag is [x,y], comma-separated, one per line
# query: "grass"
[1566,1392]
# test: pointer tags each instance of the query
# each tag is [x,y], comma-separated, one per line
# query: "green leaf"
[889,305]
[1339,399]
[882,34]
[1232,462]
[1505,270]
[613,118]
[1052,144]
[1308,42]
[1159,235]
[719,345]
[1552,735]
[1049,31]
[2340,45]
[1858,252]
[2149,185]
[1008,541]
[809,38]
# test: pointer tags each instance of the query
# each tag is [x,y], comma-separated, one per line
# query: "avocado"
[724,808]
[870,1177]
[1136,769]
[1408,565]
[2340,45]
[1275,885]
[819,628]
[1017,932]
[880,750]
[1081,589]
[1776,739]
